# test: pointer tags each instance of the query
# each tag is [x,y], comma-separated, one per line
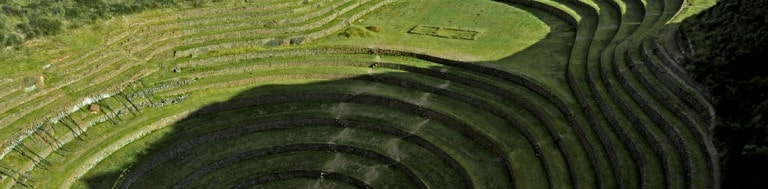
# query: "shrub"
[376,29]
[297,40]
[12,10]
[284,41]
[273,43]
[46,26]
[356,32]
[12,39]
[38,26]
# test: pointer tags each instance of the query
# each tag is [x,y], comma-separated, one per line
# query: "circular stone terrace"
[363,94]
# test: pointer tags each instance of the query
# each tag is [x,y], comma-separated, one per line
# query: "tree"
[12,39]
[45,26]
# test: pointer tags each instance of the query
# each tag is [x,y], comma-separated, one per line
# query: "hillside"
[728,44]
[360,94]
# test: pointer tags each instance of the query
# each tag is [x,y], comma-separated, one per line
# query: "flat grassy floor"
[498,24]
[512,38]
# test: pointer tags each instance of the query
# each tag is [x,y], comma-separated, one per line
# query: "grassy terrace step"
[302,173]
[40,104]
[643,101]
[651,129]
[553,131]
[692,96]
[67,75]
[657,117]
[294,17]
[209,62]
[510,118]
[671,63]
[593,88]
[406,169]
[360,64]
[51,86]
[254,56]
[665,154]
[93,87]
[441,118]
[664,69]
[305,183]
[313,29]
[675,86]
[386,161]
[671,126]
[242,8]
[662,94]
[86,127]
[297,22]
[242,14]
[76,69]
[67,124]
[11,89]
[586,28]
[699,132]
[236,159]
[131,74]
[625,14]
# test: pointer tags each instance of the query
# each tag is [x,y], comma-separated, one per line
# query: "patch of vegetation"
[376,29]
[28,19]
[357,32]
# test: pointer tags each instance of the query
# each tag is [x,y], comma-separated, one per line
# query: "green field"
[360,94]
